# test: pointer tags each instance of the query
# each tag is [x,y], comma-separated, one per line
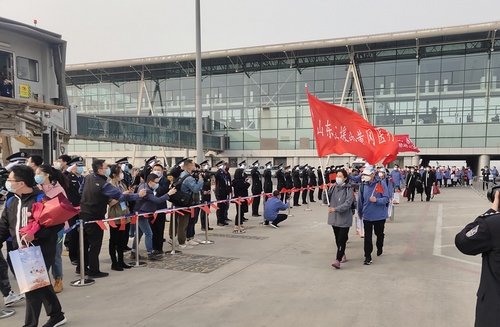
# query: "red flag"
[215,206]
[249,201]
[154,218]
[133,220]
[206,209]
[404,145]
[101,224]
[379,189]
[340,130]
[112,223]
[123,222]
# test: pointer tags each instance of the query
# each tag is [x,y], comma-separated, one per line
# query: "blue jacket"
[494,171]
[272,207]
[439,174]
[470,175]
[150,202]
[373,211]
[190,185]
[398,177]
[447,174]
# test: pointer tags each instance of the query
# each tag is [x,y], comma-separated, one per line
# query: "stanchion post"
[289,200]
[307,207]
[174,237]
[207,225]
[137,263]
[82,281]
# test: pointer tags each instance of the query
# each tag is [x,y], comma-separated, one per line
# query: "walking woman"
[240,187]
[117,237]
[52,182]
[340,214]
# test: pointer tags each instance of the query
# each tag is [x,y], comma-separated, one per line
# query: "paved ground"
[284,277]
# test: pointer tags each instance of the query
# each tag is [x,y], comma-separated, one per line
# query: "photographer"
[478,237]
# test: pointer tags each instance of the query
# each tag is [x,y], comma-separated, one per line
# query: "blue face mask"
[79,170]
[125,167]
[108,172]
[155,187]
[39,179]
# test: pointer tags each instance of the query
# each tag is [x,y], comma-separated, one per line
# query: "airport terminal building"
[441,86]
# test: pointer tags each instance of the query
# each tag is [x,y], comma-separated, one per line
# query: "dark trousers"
[93,243]
[255,205]
[43,296]
[370,226]
[190,230]
[485,185]
[445,181]
[296,197]
[158,229]
[205,222]
[311,195]
[181,223]
[320,194]
[341,237]
[73,240]
[440,182]
[304,196]
[116,243]
[411,193]
[279,219]
[221,218]
[4,276]
[125,239]
[10,247]
[428,192]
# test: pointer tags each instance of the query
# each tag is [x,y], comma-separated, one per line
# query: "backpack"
[9,200]
[180,199]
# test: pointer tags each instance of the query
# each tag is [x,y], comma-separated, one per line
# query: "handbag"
[435,190]
[30,269]
[52,212]
[405,193]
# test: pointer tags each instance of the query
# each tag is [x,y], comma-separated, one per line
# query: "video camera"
[490,194]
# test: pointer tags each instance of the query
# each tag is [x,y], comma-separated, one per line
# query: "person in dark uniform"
[243,165]
[75,179]
[481,237]
[305,183]
[320,184]
[288,182]
[256,188]
[280,175]
[428,179]
[411,183]
[312,182]
[158,224]
[268,182]
[222,192]
[297,184]
[206,193]
[227,176]
[127,177]
[486,176]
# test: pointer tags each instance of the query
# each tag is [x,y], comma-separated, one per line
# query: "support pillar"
[484,160]
[416,161]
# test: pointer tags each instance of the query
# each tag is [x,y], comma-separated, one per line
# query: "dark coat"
[428,178]
[480,237]
[281,179]
[288,181]
[268,182]
[240,188]
[297,183]
[312,179]
[256,181]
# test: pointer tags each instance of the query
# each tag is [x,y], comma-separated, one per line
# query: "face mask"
[412,170]
[339,180]
[108,172]
[366,178]
[8,186]
[79,170]
[381,175]
[155,187]
[158,173]
[120,177]
[57,165]
[428,169]
[39,179]
[268,166]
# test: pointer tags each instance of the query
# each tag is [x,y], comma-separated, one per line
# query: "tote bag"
[29,266]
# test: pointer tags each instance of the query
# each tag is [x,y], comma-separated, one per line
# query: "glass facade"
[444,96]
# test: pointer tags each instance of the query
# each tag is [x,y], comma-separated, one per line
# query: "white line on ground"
[445,227]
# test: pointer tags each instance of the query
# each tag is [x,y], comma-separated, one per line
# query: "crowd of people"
[118,189]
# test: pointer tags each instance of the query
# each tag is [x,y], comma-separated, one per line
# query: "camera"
[491,192]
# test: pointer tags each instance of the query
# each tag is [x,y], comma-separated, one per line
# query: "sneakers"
[344,259]
[222,224]
[185,246]
[192,242]
[133,256]
[209,228]
[197,240]
[336,264]
[4,313]
[368,261]
[274,226]
[13,298]
[176,242]
[154,257]
[58,285]
[56,321]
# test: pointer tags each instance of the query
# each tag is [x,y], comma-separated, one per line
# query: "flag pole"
[327,199]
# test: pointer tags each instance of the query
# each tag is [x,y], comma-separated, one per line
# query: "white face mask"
[158,173]
[120,177]
[57,165]
[412,170]
[366,178]
[381,175]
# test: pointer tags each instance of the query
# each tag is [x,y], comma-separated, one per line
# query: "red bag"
[52,212]
[405,193]
[435,190]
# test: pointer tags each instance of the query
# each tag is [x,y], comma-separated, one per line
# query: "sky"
[102,30]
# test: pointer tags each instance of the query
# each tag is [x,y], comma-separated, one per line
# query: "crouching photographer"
[482,236]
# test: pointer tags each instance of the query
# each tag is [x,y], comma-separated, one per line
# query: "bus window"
[6,74]
[27,69]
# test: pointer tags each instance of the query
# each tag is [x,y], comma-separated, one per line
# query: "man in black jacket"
[320,184]
[21,182]
[96,193]
[297,184]
[428,180]
[481,237]
[280,175]
[411,183]
[256,188]
[222,192]
[305,183]
[158,224]
[312,182]
[268,182]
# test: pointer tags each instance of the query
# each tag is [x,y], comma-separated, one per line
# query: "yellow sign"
[24,91]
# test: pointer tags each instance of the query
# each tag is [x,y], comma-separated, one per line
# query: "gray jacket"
[341,199]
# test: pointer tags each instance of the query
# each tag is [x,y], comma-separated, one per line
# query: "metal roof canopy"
[290,55]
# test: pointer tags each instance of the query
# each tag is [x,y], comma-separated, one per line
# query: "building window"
[27,69]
